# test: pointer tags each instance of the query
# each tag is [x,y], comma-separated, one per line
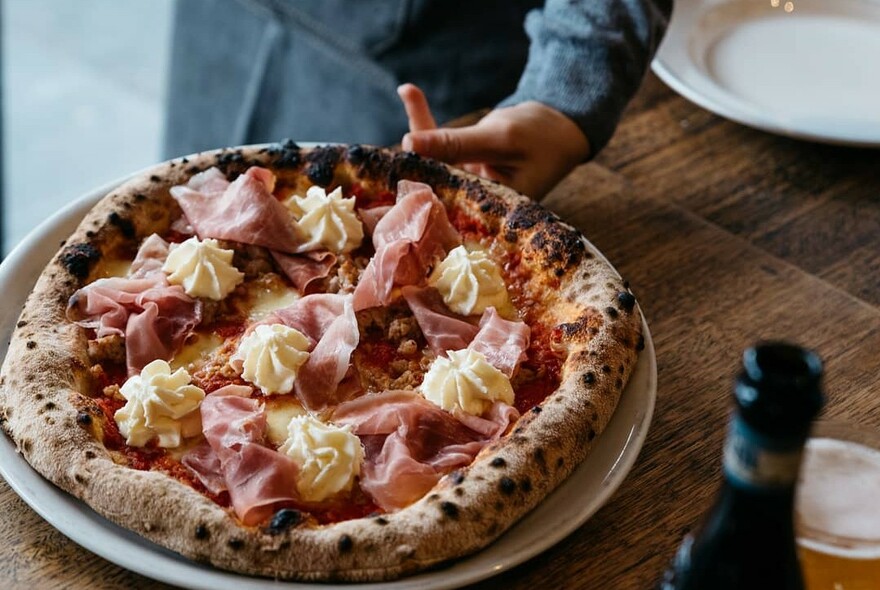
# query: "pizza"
[334,363]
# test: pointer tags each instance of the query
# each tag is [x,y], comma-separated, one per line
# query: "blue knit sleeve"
[588,57]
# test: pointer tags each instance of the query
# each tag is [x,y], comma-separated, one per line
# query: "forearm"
[587,58]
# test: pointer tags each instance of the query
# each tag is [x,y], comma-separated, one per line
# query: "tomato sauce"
[364,199]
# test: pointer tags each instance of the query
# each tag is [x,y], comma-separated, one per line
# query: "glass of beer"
[837,510]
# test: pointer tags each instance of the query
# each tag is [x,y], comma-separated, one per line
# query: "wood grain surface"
[727,235]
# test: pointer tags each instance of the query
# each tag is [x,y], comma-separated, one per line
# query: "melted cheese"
[198,348]
[113,268]
[280,410]
[266,299]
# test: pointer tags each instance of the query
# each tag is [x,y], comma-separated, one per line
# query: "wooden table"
[727,235]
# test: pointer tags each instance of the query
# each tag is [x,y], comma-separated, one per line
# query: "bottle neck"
[755,463]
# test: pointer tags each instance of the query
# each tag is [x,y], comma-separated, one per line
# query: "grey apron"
[248,71]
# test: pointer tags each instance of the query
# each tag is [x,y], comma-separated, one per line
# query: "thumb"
[464,144]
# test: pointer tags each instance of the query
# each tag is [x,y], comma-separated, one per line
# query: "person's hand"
[529,146]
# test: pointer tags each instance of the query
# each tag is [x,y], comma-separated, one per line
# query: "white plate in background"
[566,509]
[808,69]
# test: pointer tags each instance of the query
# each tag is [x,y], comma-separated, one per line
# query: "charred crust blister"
[380,520]
[561,245]
[31,344]
[626,300]
[450,509]
[528,215]
[498,463]
[235,544]
[457,477]
[322,165]
[355,154]
[232,163]
[126,227]
[201,532]
[588,378]
[83,419]
[78,259]
[507,486]
[283,520]
[345,544]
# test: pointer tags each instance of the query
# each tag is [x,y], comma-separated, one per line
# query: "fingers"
[416,106]
[464,144]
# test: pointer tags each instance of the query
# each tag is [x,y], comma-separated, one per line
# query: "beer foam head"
[837,498]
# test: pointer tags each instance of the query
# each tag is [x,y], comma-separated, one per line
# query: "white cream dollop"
[329,457]
[465,380]
[203,268]
[329,221]
[270,357]
[159,404]
[469,281]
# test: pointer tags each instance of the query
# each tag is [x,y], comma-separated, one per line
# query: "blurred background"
[83,86]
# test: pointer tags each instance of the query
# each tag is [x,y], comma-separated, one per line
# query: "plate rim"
[77,520]
[668,68]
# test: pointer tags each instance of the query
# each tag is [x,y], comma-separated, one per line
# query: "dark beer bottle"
[746,541]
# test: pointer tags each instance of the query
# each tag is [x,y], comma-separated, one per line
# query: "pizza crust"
[596,318]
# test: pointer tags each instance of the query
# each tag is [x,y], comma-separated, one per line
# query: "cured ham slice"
[154,317]
[304,269]
[243,211]
[149,258]
[410,443]
[443,329]
[370,217]
[257,477]
[408,239]
[502,342]
[329,321]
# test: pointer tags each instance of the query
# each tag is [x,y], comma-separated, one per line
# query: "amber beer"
[838,515]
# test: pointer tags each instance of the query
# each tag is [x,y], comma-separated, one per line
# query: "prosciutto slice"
[370,217]
[410,443]
[329,321]
[443,329]
[243,211]
[304,269]
[149,258]
[154,317]
[408,239]
[257,477]
[502,342]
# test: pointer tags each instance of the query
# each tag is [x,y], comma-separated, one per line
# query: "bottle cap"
[779,390]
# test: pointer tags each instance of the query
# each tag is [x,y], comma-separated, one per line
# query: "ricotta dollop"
[329,457]
[465,380]
[203,268]
[469,281]
[329,221]
[270,357]
[160,404]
